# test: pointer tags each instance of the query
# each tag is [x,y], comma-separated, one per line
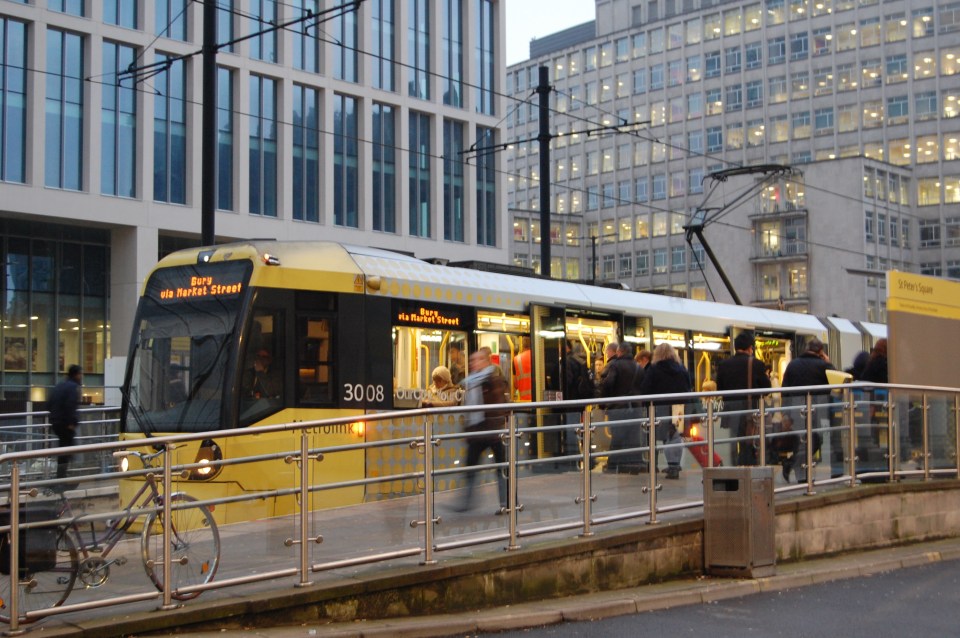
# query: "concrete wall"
[864,518]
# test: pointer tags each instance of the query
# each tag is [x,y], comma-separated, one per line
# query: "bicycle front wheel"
[194,547]
[43,583]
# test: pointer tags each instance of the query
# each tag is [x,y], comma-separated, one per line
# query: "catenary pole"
[208,142]
[543,91]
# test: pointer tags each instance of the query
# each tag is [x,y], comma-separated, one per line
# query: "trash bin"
[739,522]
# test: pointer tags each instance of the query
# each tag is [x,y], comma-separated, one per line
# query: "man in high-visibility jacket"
[523,372]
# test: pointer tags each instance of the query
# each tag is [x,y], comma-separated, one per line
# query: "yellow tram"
[247,334]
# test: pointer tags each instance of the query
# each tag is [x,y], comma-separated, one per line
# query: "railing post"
[167,527]
[14,498]
[925,413]
[512,482]
[428,491]
[809,443]
[709,436]
[587,497]
[891,448]
[851,413]
[304,507]
[653,487]
[762,411]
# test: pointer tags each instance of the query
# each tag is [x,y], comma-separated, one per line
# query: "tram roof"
[409,277]
[393,274]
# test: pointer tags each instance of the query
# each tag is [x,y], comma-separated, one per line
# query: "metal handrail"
[856,399]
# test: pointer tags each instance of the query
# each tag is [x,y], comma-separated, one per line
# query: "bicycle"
[46,581]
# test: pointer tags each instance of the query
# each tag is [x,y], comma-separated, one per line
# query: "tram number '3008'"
[358,392]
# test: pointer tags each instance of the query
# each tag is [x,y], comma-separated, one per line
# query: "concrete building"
[859,98]
[348,126]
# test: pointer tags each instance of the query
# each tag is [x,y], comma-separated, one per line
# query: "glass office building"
[347,125]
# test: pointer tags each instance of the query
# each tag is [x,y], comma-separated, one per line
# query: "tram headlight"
[359,428]
[207,455]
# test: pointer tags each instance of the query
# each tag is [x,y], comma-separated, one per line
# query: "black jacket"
[807,369]
[875,371]
[665,377]
[618,377]
[63,403]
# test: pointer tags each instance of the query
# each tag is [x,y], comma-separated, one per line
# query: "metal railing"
[557,457]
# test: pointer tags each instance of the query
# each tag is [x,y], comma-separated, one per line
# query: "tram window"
[314,364]
[416,352]
[262,381]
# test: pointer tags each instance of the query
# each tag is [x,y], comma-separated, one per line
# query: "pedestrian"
[742,371]
[875,369]
[666,375]
[485,385]
[810,368]
[617,380]
[64,401]
[859,363]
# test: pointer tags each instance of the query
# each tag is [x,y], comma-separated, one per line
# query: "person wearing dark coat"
[875,371]
[810,368]
[666,375]
[859,363]
[64,401]
[732,375]
[617,380]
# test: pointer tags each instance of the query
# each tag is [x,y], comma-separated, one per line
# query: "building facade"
[350,123]
[859,98]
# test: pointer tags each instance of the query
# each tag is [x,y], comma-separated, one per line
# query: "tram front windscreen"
[185,333]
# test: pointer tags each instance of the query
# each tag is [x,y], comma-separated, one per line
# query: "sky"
[528,19]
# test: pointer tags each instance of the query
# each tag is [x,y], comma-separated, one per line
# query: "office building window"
[659,260]
[922,20]
[755,133]
[483,38]
[171,19]
[801,125]
[306,153]
[714,139]
[640,81]
[822,41]
[695,141]
[898,110]
[656,78]
[678,259]
[418,49]
[73,7]
[641,186]
[170,134]
[733,59]
[453,195]
[118,124]
[929,233]
[225,128]
[754,93]
[419,169]
[659,186]
[823,121]
[345,48]
[384,151]
[122,13]
[382,45]
[712,64]
[486,189]
[226,16]
[13,97]
[63,148]
[263,14]
[778,89]
[263,146]
[452,53]
[306,44]
[897,70]
[643,262]
[734,101]
[346,184]
[776,50]
[753,54]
